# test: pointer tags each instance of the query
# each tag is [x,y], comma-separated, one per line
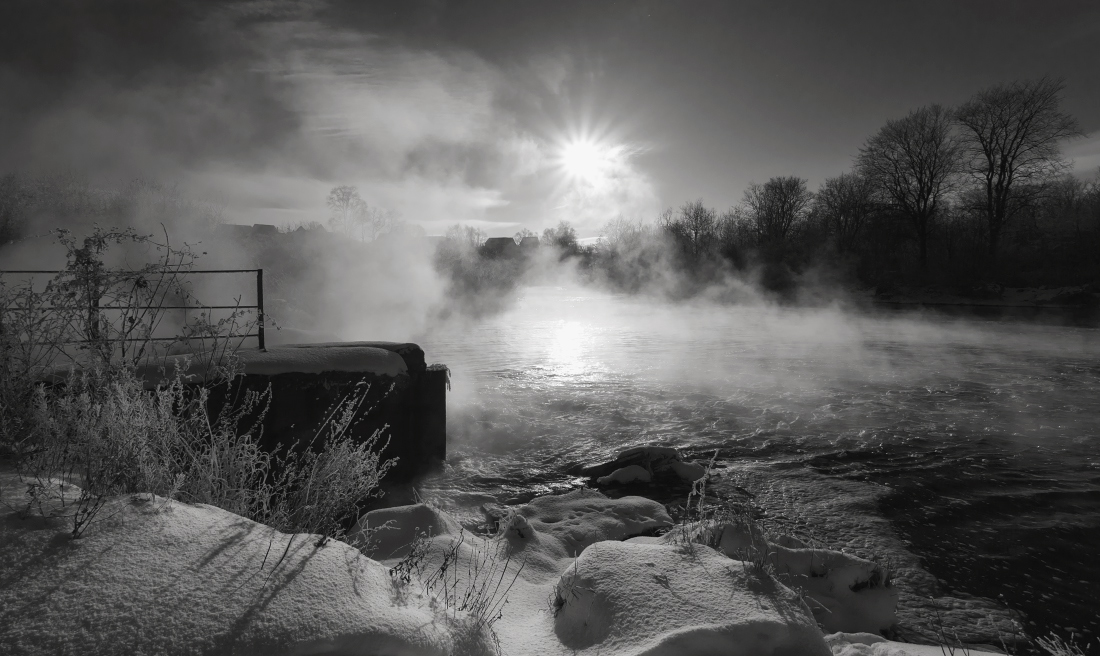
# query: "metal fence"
[259,306]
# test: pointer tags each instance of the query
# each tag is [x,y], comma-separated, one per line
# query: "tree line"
[962,198]
[959,196]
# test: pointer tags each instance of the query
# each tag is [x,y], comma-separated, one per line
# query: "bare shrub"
[474,581]
[95,428]
[1055,645]
[319,491]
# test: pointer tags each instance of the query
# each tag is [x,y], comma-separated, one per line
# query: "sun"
[585,160]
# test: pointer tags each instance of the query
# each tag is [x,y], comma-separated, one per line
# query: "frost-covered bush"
[82,427]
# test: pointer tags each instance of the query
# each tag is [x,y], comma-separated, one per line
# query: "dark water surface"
[977,443]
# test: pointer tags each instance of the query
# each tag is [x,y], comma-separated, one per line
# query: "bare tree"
[735,234]
[352,216]
[845,204]
[345,206]
[914,162]
[775,207]
[694,227]
[14,202]
[1069,203]
[564,237]
[1010,136]
[373,221]
[469,237]
[621,235]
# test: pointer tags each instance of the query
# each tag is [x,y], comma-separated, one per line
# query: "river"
[965,454]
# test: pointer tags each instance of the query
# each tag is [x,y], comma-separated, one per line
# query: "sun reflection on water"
[570,353]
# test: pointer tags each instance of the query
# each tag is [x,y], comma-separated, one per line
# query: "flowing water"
[964,453]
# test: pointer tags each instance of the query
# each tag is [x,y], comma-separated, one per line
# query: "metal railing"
[259,306]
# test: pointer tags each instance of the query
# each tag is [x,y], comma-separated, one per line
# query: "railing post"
[260,307]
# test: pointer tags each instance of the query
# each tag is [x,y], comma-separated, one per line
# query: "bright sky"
[504,114]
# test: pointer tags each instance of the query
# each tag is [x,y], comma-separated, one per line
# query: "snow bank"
[159,577]
[155,576]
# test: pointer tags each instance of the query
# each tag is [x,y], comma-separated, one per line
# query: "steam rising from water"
[258,109]
[791,365]
[976,439]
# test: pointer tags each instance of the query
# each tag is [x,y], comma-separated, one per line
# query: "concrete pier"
[405,398]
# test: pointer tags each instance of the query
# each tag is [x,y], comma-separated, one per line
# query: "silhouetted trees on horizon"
[963,198]
[350,215]
[959,198]
[955,198]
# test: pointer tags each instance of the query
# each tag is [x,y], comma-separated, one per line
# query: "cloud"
[264,106]
[1085,154]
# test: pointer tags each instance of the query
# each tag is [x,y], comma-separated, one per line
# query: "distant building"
[507,247]
[500,247]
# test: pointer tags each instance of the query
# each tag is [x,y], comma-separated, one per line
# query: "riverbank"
[1075,305]
[561,576]
[959,452]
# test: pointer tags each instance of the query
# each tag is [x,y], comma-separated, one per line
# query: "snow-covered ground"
[562,576]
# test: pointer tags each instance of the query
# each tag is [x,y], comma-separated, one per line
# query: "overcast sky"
[472,112]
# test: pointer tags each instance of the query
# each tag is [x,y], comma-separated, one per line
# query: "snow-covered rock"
[389,532]
[616,598]
[738,538]
[689,471]
[583,517]
[644,464]
[662,599]
[628,474]
[845,592]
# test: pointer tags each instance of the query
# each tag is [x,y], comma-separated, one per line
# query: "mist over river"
[964,453]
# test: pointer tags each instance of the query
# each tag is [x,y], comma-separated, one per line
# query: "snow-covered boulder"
[737,537]
[390,532]
[689,471]
[662,463]
[583,517]
[628,474]
[651,599]
[845,592]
